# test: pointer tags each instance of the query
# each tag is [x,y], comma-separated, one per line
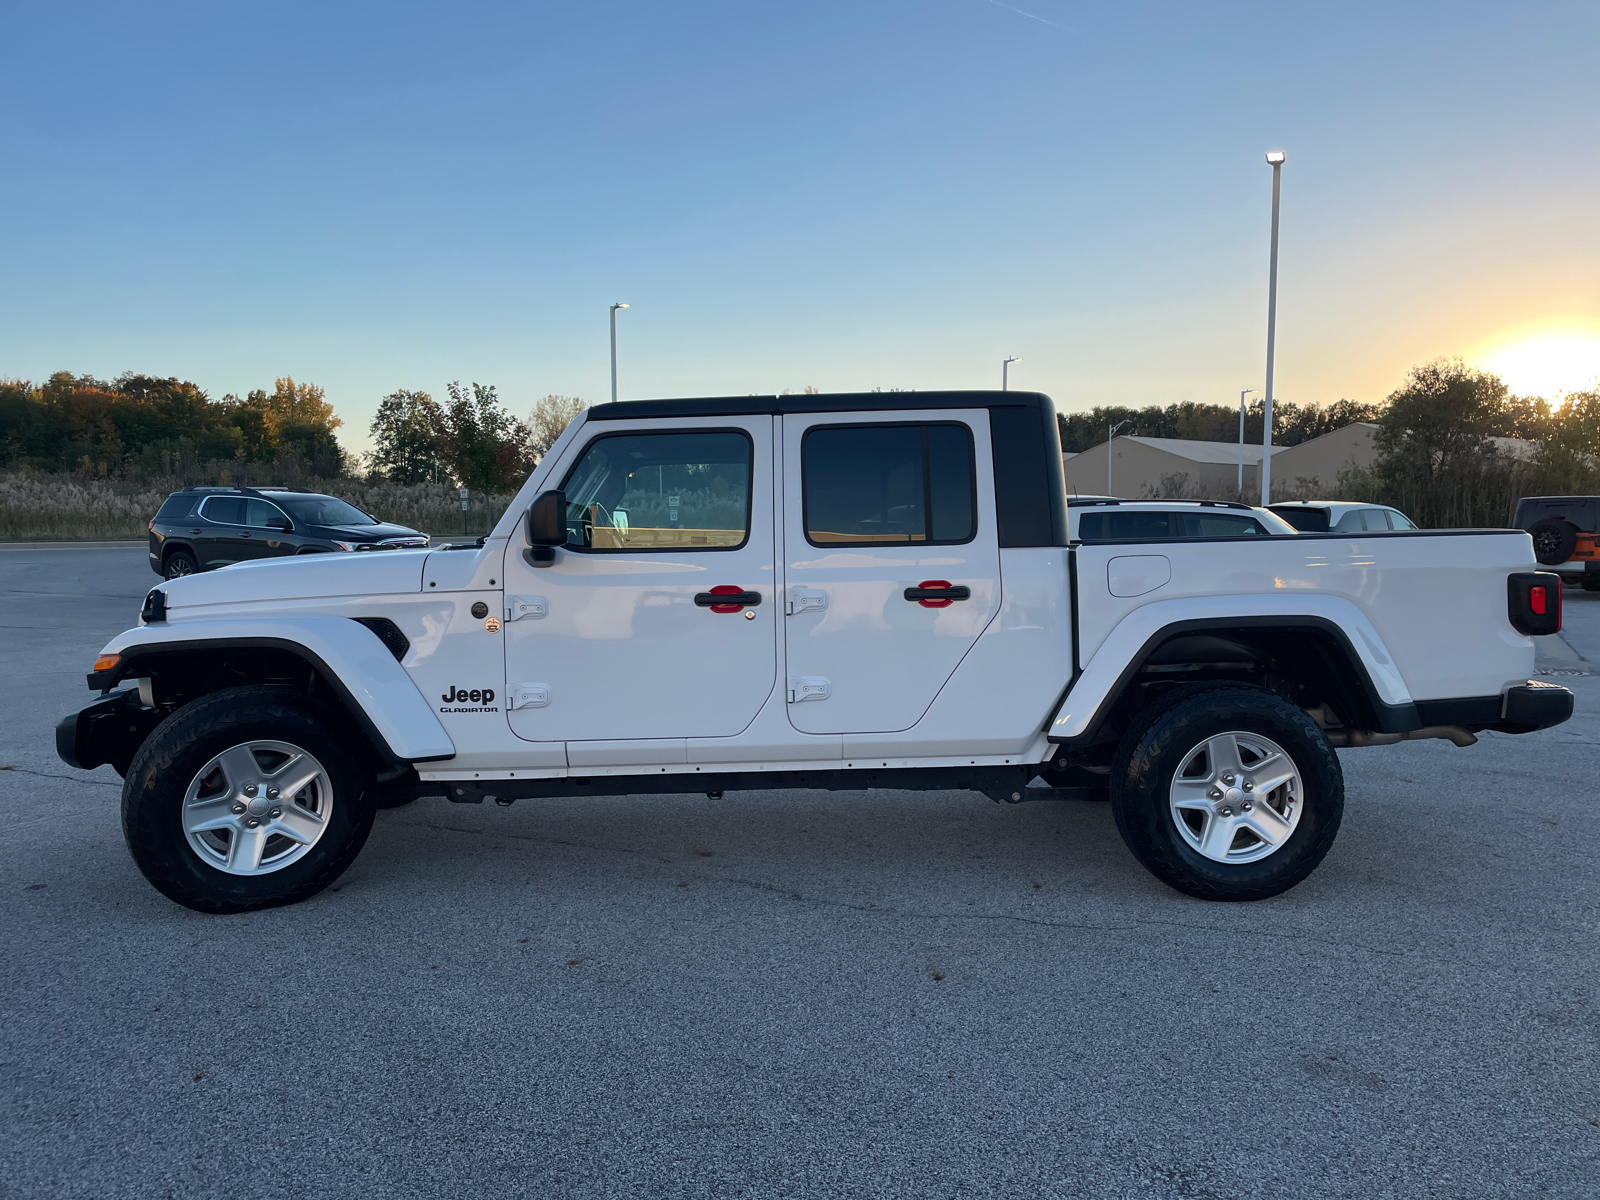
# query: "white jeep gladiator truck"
[847,592]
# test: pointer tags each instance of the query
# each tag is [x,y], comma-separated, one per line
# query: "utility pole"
[1111,436]
[1275,157]
[1003,366]
[614,308]
[1242,395]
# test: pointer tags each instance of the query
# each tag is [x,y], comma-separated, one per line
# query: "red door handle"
[937,593]
[727,598]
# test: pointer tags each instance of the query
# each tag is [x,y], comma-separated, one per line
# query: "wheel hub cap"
[257,807]
[1236,797]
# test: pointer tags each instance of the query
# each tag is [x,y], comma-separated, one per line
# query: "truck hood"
[304,577]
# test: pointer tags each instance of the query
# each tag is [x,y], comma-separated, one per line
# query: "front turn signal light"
[107,662]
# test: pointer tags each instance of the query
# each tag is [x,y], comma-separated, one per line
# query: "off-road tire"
[176,562]
[1150,753]
[160,774]
[1554,540]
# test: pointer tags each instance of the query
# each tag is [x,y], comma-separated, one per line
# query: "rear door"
[891,562]
[221,539]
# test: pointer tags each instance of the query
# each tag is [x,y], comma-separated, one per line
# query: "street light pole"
[1111,436]
[1003,368]
[614,308]
[1275,157]
[1242,395]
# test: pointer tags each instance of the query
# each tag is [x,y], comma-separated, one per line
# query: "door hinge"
[808,687]
[518,607]
[799,600]
[529,695]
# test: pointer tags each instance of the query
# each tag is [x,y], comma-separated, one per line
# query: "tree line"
[1437,459]
[143,425]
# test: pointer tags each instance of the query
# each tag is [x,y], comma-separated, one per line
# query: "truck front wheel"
[246,799]
[1228,794]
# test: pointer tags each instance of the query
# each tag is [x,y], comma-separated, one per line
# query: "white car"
[847,592]
[1097,519]
[1340,516]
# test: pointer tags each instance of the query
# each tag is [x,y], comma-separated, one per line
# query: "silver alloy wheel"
[1237,797]
[257,807]
[178,566]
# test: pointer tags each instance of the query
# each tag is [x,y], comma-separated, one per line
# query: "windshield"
[322,510]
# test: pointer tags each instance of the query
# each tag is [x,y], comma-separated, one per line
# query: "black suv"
[204,527]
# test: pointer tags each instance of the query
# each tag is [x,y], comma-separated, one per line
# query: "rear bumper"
[1534,705]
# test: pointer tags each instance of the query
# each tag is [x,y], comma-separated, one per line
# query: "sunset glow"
[1548,364]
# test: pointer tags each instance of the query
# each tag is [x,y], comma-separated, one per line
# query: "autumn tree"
[405,436]
[484,446]
[550,417]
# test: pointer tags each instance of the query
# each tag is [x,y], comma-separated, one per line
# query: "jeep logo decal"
[473,700]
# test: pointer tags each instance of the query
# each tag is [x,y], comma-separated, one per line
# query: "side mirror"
[547,527]
[279,523]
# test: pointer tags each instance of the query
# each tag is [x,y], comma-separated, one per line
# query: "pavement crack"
[73,778]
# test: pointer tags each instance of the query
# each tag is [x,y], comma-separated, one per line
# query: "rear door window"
[1124,526]
[224,510]
[888,485]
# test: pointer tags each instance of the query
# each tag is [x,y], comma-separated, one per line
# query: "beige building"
[1165,467]
[1315,465]
[1176,467]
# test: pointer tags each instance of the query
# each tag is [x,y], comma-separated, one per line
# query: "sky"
[842,196]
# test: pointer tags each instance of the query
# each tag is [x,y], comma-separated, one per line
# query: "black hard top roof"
[746,406]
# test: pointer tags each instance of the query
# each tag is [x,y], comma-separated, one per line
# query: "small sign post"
[466,502]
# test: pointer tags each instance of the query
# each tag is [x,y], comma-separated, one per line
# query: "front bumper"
[110,730]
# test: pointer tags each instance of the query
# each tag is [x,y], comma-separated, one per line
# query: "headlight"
[347,545]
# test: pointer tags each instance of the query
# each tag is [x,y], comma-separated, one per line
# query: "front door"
[891,561]
[624,637]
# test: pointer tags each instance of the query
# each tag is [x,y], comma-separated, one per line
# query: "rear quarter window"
[1210,525]
[175,507]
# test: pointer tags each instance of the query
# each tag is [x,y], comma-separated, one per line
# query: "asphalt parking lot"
[801,994]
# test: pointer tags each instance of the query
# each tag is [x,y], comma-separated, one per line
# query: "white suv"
[1338,516]
[1095,519]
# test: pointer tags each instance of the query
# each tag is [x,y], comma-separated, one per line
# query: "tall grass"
[59,507]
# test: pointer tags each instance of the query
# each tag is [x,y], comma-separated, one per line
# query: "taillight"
[1533,602]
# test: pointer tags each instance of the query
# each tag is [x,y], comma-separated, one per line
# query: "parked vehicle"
[201,528]
[848,592]
[1339,516]
[1096,520]
[1563,530]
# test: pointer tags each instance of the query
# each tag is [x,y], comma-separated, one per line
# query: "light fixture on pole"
[1003,368]
[1274,157]
[614,308]
[1242,395]
[1111,436]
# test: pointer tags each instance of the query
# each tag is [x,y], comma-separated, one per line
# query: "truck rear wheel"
[246,799]
[1228,793]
